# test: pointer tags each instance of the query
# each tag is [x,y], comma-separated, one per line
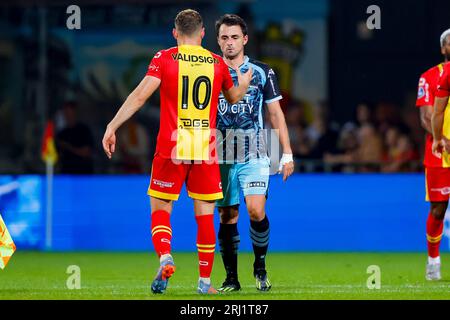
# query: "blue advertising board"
[307,213]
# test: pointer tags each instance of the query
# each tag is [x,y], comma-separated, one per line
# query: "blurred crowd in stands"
[380,138]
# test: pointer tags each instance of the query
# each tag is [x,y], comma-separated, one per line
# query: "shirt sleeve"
[425,92]
[443,88]
[155,66]
[271,89]
[227,80]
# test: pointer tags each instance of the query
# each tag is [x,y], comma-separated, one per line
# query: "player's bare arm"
[425,118]
[132,104]
[235,94]
[278,121]
[437,121]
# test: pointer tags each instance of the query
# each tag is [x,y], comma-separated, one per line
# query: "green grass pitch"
[295,276]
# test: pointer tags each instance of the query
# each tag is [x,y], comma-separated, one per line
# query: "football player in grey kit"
[244,121]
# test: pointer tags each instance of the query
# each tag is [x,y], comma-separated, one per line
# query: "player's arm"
[437,121]
[425,101]
[426,112]
[132,104]
[278,122]
[235,93]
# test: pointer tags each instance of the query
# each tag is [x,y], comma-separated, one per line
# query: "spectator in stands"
[400,154]
[368,156]
[386,115]
[74,143]
[342,160]
[133,154]
[322,134]
[363,114]
[295,120]
[391,138]
[363,154]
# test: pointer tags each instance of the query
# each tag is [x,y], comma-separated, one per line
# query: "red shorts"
[437,184]
[202,180]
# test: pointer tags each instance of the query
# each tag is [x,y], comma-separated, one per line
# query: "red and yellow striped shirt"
[191,80]
[428,90]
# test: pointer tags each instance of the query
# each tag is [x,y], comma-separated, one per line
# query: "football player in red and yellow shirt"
[190,80]
[437,171]
[440,119]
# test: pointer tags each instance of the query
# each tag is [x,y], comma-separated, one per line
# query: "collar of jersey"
[191,46]
[246,60]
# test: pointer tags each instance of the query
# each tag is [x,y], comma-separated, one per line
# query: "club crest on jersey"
[223,106]
[241,107]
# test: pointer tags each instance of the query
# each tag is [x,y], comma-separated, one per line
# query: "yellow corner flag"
[7,246]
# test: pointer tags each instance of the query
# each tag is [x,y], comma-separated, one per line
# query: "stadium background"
[330,67]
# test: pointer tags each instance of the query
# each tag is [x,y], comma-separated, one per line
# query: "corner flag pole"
[48,151]
[50,157]
[49,207]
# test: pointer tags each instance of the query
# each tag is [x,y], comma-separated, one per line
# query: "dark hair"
[188,22]
[231,20]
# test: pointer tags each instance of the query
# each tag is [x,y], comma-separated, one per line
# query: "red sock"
[161,232]
[434,235]
[206,244]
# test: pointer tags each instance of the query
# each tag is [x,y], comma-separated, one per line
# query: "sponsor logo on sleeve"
[256,184]
[423,90]
[152,67]
[421,93]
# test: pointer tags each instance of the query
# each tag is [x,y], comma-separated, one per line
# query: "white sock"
[164,257]
[436,260]
[205,280]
